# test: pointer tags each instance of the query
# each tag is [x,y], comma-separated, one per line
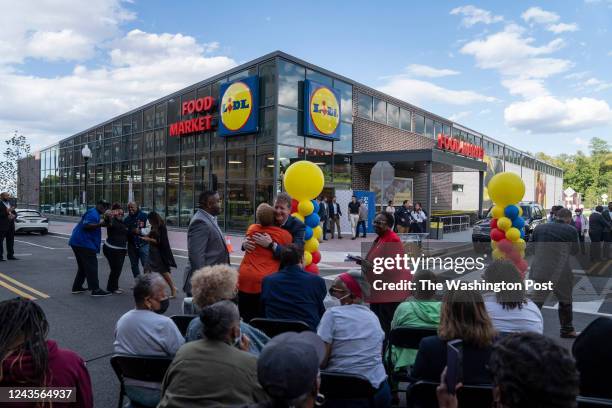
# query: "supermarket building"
[238,131]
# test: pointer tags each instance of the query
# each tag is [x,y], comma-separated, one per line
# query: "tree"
[17,148]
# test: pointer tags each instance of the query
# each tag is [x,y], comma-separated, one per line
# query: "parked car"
[31,221]
[533,215]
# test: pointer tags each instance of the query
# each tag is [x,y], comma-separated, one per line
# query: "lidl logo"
[238,111]
[323,114]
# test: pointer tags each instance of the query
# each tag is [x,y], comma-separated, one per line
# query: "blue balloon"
[511,211]
[518,222]
[316,206]
[312,220]
[308,233]
[522,233]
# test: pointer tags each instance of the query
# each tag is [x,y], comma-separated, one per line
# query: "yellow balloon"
[506,188]
[513,234]
[307,258]
[493,245]
[497,211]
[317,232]
[298,216]
[519,244]
[504,223]
[522,253]
[304,180]
[305,207]
[497,254]
[311,245]
[520,210]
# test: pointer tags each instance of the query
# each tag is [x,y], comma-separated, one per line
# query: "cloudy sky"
[535,75]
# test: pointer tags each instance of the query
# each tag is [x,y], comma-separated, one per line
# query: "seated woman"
[212,372]
[28,359]
[353,336]
[419,311]
[259,263]
[594,358]
[210,285]
[510,310]
[145,331]
[463,316]
[292,293]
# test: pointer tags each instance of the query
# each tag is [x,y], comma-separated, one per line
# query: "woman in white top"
[353,336]
[510,310]
[419,216]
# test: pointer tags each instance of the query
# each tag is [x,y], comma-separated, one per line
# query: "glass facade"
[134,157]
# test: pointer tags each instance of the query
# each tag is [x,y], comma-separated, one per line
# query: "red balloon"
[493,223]
[497,235]
[312,268]
[294,205]
[522,266]
[316,257]
[504,244]
[515,256]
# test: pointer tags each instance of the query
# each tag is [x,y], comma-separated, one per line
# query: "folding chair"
[346,390]
[274,327]
[143,368]
[182,322]
[591,402]
[405,337]
[422,394]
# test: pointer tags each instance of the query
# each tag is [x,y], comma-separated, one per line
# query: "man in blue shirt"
[85,243]
[293,293]
[138,249]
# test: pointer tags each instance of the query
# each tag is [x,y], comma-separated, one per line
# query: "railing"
[453,223]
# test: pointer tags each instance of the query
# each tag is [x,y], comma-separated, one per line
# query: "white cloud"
[417,91]
[62,29]
[456,117]
[527,88]
[512,54]
[474,15]
[609,53]
[597,85]
[580,141]
[540,16]
[576,75]
[485,111]
[562,28]
[547,114]
[430,72]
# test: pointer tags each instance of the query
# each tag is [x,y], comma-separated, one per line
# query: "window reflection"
[342,171]
[345,144]
[346,96]
[288,127]
[287,155]
[365,106]
[380,111]
[267,90]
[429,127]
[159,198]
[392,115]
[172,205]
[265,162]
[289,76]
[323,159]
[419,124]
[239,209]
[405,119]
[240,163]
[318,77]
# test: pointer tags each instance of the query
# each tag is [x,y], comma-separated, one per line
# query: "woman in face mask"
[353,336]
[212,372]
[145,331]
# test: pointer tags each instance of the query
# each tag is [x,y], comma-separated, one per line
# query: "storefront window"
[201,173]
[159,197]
[243,74]
[342,171]
[437,129]
[160,143]
[289,76]
[240,163]
[147,176]
[239,209]
[188,145]
[147,197]
[345,144]
[136,171]
[240,140]
[380,111]
[429,127]
[186,204]
[323,159]
[202,142]
[267,90]
[364,109]
[136,122]
[288,127]
[160,115]
[201,93]
[318,77]
[160,169]
[116,129]
[172,216]
[126,124]
[392,115]
[217,142]
[346,100]
[419,124]
[267,120]
[447,130]
[405,119]
[217,160]
[149,145]
[286,156]
[265,162]
[173,169]
[149,118]
[264,192]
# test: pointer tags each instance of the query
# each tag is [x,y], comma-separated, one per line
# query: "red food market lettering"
[199,124]
[458,146]
[197,105]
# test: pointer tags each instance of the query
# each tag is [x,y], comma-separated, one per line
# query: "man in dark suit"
[597,232]
[323,214]
[334,217]
[555,242]
[283,219]
[7,227]
[607,236]
[205,241]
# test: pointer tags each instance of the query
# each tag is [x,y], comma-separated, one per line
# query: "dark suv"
[532,213]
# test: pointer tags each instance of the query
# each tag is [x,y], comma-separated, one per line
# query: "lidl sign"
[239,106]
[321,110]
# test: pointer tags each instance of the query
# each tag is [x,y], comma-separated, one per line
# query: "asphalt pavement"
[45,271]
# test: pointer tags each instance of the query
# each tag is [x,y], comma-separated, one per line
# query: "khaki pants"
[403,230]
[334,223]
[354,219]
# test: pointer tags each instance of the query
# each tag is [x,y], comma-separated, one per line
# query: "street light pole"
[86,153]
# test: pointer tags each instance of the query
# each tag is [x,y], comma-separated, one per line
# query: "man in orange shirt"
[259,263]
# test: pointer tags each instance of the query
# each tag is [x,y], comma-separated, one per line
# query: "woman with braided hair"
[28,359]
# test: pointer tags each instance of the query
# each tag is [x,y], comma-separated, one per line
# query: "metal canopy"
[441,161]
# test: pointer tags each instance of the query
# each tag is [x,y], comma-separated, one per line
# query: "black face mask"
[163,306]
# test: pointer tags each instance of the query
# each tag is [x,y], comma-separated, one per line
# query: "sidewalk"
[333,251]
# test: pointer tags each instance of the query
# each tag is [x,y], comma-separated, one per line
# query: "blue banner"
[369,199]
[321,111]
[239,106]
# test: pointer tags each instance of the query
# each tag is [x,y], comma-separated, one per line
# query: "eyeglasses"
[379,222]
[333,290]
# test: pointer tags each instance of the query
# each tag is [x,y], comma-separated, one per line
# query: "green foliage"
[590,175]
[17,148]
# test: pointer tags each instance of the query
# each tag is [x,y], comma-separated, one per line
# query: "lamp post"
[86,153]
[203,163]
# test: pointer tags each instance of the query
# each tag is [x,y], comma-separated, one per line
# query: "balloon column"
[507,226]
[304,182]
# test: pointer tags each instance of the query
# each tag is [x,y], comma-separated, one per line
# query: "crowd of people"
[222,360]
[7,227]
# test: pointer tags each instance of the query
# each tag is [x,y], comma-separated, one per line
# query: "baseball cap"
[288,365]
